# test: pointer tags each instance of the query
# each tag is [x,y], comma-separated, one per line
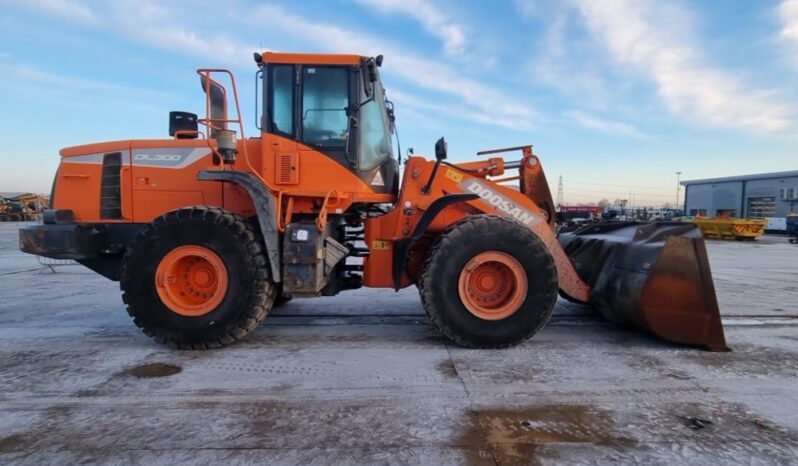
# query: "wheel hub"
[191,280]
[492,285]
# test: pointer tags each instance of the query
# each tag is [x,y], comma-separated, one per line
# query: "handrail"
[206,72]
[321,220]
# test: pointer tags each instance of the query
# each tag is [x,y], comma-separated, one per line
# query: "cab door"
[323,123]
[280,147]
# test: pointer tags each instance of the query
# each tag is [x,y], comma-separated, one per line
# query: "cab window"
[325,99]
[375,135]
[281,105]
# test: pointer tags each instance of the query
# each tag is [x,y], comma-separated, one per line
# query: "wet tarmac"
[362,378]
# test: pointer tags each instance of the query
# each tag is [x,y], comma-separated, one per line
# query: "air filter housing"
[183,121]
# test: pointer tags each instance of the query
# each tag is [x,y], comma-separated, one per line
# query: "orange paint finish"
[161,175]
[157,190]
[492,285]
[567,278]
[150,189]
[317,172]
[493,166]
[157,175]
[396,225]
[534,185]
[77,184]
[400,223]
[238,200]
[380,232]
[316,177]
[191,280]
[311,58]
[95,148]
[77,188]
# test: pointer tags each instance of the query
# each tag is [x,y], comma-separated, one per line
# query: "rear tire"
[223,249]
[513,256]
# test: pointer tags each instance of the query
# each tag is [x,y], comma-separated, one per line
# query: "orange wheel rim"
[191,280]
[492,285]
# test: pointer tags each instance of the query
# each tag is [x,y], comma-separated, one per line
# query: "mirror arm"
[425,190]
[441,150]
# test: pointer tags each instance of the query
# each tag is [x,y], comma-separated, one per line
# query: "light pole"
[678,188]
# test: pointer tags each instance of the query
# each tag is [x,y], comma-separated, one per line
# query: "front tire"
[197,278]
[488,282]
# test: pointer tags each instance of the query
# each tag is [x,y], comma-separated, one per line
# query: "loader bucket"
[655,276]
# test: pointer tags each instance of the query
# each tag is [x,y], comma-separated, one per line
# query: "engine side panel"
[79,180]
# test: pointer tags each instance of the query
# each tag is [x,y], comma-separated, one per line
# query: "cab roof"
[312,58]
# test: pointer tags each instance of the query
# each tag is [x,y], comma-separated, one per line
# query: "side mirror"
[389,109]
[372,70]
[440,156]
[440,149]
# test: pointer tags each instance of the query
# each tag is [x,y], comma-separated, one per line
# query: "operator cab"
[333,104]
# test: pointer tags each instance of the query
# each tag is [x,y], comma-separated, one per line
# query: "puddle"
[520,436]
[446,367]
[11,443]
[157,369]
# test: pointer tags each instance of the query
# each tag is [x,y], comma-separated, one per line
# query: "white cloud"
[435,21]
[78,92]
[527,8]
[447,111]
[143,21]
[48,81]
[640,35]
[486,104]
[566,66]
[25,73]
[162,25]
[69,10]
[605,126]
[788,15]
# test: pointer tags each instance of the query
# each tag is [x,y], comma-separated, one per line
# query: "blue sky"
[616,95]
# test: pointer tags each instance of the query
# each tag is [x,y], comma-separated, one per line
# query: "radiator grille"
[110,193]
[287,168]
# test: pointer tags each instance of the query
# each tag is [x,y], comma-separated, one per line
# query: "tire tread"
[239,228]
[454,233]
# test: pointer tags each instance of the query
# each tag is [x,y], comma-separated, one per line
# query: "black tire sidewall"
[206,229]
[482,235]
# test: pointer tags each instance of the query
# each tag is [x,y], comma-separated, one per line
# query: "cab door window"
[325,100]
[281,104]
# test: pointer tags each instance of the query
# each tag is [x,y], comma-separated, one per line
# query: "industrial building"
[768,195]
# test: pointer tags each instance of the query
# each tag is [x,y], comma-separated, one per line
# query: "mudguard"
[264,206]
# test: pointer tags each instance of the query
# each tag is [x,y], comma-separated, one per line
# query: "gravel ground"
[362,378]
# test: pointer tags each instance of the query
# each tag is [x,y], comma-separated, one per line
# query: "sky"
[615,95]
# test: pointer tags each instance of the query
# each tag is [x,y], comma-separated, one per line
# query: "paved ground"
[362,378]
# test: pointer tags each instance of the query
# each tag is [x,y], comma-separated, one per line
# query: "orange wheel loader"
[208,230]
